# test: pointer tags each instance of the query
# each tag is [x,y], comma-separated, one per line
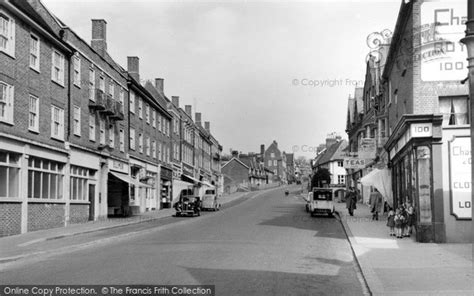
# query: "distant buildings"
[331,158]
[81,138]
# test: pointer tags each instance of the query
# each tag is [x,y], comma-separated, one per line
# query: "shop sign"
[367,148]
[118,166]
[354,163]
[166,174]
[442,56]
[421,130]
[460,177]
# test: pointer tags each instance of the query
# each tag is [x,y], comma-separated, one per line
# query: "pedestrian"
[399,220]
[376,203]
[411,219]
[351,201]
[391,221]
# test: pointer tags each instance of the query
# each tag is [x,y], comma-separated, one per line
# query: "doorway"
[91,202]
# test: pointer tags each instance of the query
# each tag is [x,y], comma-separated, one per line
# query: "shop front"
[415,151]
[166,178]
[119,188]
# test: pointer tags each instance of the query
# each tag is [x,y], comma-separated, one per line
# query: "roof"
[332,153]
[237,160]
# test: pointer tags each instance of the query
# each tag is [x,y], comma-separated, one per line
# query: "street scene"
[297,148]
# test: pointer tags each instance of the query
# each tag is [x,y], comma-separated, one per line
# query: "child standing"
[399,221]
[411,219]
[391,221]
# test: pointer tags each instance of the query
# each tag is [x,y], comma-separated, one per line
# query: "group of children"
[402,221]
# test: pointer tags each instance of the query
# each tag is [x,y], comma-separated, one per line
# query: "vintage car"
[321,201]
[188,204]
[210,201]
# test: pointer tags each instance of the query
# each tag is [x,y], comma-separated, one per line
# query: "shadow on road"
[262,282]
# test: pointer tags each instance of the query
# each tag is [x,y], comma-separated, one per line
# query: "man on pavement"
[351,200]
[376,203]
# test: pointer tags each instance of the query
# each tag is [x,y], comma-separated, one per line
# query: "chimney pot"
[133,67]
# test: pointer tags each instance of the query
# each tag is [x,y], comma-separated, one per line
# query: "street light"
[469,42]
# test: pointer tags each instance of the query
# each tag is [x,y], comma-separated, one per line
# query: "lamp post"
[469,42]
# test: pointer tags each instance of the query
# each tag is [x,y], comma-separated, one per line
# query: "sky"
[257,70]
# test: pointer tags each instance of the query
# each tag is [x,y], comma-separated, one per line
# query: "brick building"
[275,160]
[34,170]
[81,138]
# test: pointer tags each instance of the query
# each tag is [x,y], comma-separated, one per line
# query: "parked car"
[188,204]
[210,200]
[322,201]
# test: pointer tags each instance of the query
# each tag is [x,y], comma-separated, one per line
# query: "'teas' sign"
[354,163]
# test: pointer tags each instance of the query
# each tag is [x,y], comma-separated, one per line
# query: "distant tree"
[301,161]
[322,176]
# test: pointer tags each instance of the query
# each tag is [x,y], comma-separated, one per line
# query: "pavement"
[394,266]
[15,246]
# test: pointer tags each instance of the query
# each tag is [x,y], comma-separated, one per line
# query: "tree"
[322,176]
[301,161]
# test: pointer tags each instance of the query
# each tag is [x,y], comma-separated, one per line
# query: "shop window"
[9,174]
[45,179]
[455,110]
[79,183]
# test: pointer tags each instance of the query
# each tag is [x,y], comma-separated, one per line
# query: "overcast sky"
[242,63]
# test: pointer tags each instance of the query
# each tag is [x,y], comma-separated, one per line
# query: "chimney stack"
[188,109]
[207,126]
[99,36]
[159,85]
[262,149]
[133,64]
[197,118]
[175,101]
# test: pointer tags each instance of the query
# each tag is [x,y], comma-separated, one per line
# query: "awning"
[191,178]
[208,184]
[382,180]
[129,180]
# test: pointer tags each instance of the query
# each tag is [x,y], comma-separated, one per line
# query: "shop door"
[91,202]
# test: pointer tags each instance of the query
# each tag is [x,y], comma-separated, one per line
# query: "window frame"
[35,113]
[60,68]
[92,128]
[76,120]
[76,77]
[35,54]
[59,122]
[9,49]
[132,139]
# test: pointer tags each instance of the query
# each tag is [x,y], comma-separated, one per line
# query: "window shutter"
[12,36]
[61,123]
[52,121]
[10,101]
[52,65]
